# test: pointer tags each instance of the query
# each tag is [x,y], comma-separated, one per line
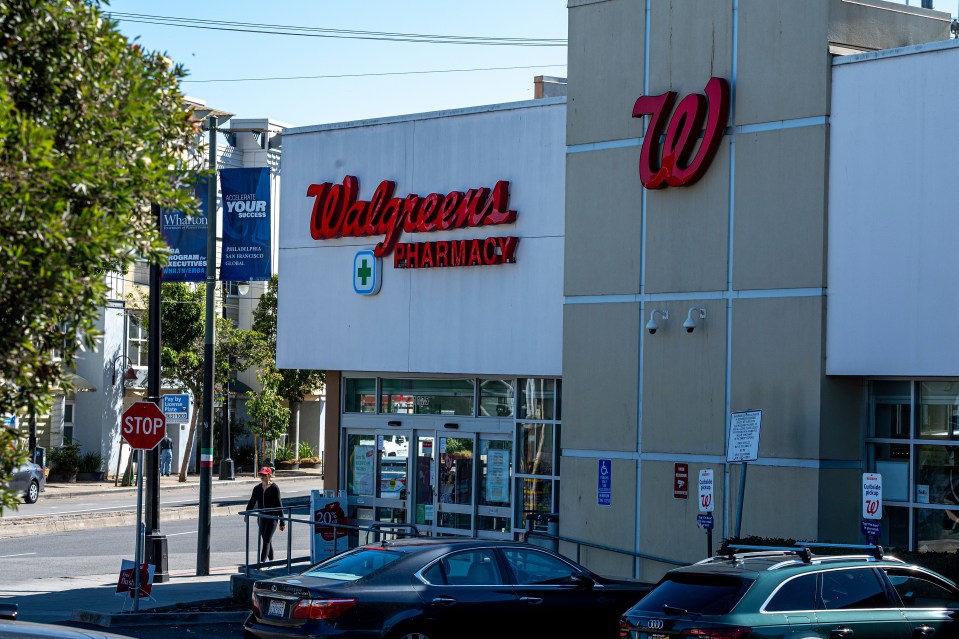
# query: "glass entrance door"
[377,479]
[455,481]
[494,516]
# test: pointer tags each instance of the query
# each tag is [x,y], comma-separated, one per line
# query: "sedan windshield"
[353,565]
[695,594]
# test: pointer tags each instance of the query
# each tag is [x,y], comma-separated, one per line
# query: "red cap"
[266,470]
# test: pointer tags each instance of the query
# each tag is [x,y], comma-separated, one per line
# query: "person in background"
[266,496]
[166,455]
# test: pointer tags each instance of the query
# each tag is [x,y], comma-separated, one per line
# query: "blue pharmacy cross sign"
[604,483]
[366,273]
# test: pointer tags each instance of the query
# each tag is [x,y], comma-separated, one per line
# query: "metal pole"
[206,435]
[739,507]
[709,542]
[156,542]
[226,462]
[139,543]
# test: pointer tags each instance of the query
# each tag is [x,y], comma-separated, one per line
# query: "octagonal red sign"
[142,425]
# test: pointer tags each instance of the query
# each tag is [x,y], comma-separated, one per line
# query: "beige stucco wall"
[746,242]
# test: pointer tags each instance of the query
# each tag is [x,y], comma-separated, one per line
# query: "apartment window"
[137,343]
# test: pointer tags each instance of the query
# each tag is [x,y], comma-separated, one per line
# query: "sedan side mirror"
[580,580]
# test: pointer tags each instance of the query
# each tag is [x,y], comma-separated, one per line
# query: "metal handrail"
[579,543]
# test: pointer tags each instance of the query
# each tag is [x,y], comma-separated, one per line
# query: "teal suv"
[794,594]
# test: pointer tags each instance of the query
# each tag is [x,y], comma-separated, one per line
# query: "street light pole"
[156,542]
[206,435]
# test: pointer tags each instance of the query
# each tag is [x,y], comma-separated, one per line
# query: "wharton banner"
[246,252]
[186,236]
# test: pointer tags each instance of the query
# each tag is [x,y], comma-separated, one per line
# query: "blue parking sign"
[604,483]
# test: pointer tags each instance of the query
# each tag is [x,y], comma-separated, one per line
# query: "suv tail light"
[719,633]
[623,628]
[322,608]
[254,605]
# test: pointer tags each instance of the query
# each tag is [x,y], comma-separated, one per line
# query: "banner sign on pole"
[125,584]
[327,540]
[246,254]
[186,237]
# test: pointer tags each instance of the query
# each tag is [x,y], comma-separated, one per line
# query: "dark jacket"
[269,499]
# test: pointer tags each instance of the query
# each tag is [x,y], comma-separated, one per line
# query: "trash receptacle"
[546,523]
[40,456]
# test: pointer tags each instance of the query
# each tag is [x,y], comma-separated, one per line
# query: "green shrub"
[65,458]
[284,453]
[91,462]
[306,452]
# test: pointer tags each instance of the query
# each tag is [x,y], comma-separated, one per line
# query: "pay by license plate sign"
[277,608]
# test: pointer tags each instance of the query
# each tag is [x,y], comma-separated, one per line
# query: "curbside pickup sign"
[871,496]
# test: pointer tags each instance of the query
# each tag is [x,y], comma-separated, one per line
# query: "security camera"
[651,325]
[690,323]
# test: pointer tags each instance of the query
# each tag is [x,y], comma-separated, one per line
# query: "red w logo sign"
[676,168]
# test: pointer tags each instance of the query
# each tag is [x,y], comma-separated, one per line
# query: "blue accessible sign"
[604,483]
[705,521]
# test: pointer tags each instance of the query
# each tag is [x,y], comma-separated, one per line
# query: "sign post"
[871,506]
[743,447]
[705,518]
[142,425]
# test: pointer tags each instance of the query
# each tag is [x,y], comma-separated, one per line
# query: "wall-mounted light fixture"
[242,288]
[690,323]
[394,424]
[128,376]
[452,426]
[652,325]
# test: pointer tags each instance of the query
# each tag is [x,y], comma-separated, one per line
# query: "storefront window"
[361,456]
[427,396]
[537,497]
[496,461]
[537,398]
[938,410]
[360,395]
[937,530]
[535,443]
[890,404]
[496,398]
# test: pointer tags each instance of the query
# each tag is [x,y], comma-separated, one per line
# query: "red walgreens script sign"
[337,212]
[676,168]
[142,425]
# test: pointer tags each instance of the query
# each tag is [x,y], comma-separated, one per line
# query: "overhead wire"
[320,32]
[368,75]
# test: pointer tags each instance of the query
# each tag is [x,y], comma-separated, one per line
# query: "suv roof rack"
[803,551]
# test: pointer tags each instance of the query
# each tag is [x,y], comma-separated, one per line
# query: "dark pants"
[267,528]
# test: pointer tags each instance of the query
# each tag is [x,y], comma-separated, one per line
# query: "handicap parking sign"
[604,483]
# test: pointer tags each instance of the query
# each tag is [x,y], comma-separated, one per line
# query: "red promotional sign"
[678,167]
[330,514]
[681,481]
[142,425]
[126,581]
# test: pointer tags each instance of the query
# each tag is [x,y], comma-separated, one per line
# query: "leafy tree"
[265,408]
[92,131]
[294,384]
[183,333]
[11,456]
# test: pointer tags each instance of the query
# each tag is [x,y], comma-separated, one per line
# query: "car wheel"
[413,635]
[33,492]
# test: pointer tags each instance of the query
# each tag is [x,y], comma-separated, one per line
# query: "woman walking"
[266,495]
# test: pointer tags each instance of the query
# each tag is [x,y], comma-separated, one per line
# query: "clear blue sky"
[222,55]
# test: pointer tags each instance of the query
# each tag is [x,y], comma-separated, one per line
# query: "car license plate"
[277,608]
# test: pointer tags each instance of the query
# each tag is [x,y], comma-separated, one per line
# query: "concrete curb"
[149,618]
[68,523]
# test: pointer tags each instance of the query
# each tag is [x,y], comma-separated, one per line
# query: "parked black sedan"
[436,589]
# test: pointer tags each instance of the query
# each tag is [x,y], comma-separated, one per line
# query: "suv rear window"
[700,594]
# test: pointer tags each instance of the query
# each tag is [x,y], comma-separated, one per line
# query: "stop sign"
[143,425]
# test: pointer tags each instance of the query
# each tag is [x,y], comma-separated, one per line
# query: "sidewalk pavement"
[93,600]
[23,523]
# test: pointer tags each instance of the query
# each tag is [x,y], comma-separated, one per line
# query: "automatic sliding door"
[377,476]
[494,514]
[455,485]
